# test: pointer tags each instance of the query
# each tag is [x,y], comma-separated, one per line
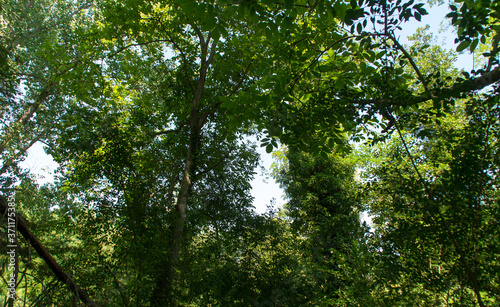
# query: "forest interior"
[154,111]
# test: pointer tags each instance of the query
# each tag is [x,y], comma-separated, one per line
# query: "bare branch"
[135,45]
[202,43]
[412,62]
[213,49]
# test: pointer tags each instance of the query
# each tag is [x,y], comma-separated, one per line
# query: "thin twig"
[412,62]
[135,45]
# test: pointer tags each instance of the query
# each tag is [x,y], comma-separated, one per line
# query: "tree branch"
[135,45]
[215,164]
[47,257]
[203,46]
[412,63]
[477,84]
[10,160]
[455,91]
[179,128]
[213,48]
[292,83]
[204,116]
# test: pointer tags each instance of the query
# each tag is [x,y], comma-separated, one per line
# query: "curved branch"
[476,84]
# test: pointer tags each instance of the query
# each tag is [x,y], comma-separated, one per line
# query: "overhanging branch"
[47,257]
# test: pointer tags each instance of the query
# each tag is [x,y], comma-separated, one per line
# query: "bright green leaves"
[410,208]
[43,56]
[206,15]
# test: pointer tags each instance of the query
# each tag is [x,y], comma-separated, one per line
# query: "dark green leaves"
[270,143]
[463,45]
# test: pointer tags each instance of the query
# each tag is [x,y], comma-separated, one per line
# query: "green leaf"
[200,11]
[463,45]
[216,34]
[269,148]
[188,5]
[324,155]
[473,45]
[359,28]
[222,30]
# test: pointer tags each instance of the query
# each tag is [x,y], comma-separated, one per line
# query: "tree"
[353,82]
[34,80]
[434,191]
[323,206]
[55,252]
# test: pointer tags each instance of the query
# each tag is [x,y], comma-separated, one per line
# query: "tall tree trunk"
[163,292]
[162,295]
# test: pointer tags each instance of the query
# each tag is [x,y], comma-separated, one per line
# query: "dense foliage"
[388,155]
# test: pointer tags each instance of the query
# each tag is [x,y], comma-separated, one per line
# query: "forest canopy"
[149,109]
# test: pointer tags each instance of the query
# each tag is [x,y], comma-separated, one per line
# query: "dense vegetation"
[148,107]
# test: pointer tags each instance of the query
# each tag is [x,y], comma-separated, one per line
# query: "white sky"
[40,164]
[264,187]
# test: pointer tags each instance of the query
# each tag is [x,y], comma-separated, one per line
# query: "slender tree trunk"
[163,293]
